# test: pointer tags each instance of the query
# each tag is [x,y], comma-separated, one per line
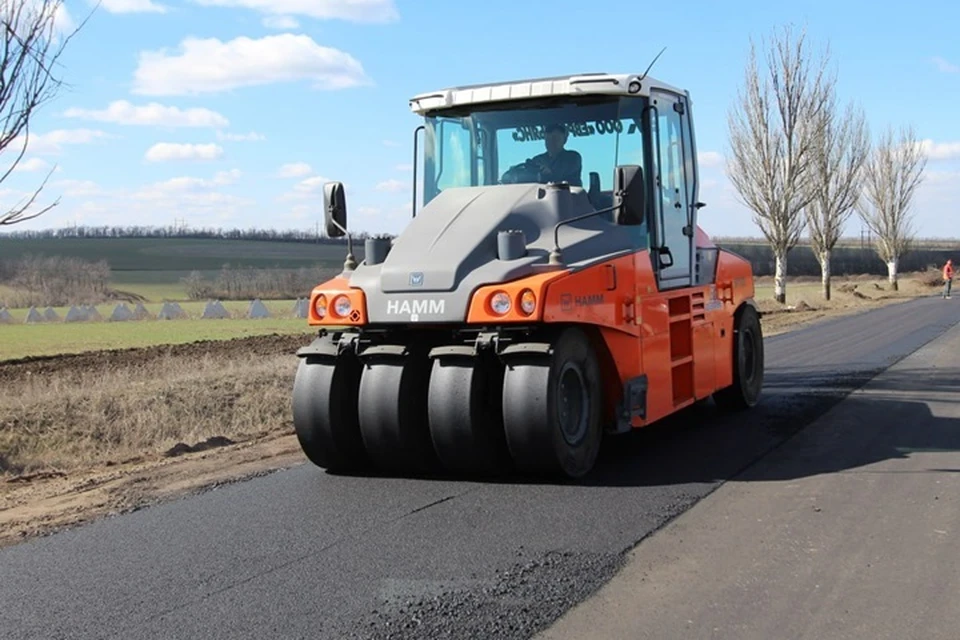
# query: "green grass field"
[142,266]
[19,341]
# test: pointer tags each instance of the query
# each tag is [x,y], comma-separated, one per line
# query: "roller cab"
[553,288]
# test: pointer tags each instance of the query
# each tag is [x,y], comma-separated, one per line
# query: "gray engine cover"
[450,249]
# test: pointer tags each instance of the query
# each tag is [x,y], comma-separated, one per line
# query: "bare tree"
[891,177]
[773,130]
[842,149]
[32,43]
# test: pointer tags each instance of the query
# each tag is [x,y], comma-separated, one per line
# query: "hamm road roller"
[552,289]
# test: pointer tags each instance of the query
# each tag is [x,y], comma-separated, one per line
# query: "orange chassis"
[681,340]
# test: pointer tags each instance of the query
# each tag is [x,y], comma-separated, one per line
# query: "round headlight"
[320,306]
[500,303]
[528,301]
[341,306]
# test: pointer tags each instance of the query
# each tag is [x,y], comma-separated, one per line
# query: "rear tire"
[552,408]
[325,411]
[748,365]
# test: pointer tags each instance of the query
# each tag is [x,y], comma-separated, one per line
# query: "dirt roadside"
[43,501]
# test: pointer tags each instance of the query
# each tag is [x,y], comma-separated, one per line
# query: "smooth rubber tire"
[325,411]
[392,411]
[748,364]
[532,397]
[465,419]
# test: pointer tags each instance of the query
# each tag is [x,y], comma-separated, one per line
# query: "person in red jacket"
[947,279]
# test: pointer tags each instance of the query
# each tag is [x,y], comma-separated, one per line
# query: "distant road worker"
[947,279]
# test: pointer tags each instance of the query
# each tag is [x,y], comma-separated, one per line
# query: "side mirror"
[334,209]
[629,194]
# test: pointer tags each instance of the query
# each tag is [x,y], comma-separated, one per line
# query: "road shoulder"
[847,530]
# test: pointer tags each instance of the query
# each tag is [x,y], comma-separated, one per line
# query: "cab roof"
[627,84]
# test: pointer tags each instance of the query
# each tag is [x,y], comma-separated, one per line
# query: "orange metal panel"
[481,312]
[331,289]
[704,363]
[601,295]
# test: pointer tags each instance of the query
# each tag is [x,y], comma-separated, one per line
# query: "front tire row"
[537,409]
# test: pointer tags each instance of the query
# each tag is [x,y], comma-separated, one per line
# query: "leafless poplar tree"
[32,45]
[842,150]
[891,177]
[773,130]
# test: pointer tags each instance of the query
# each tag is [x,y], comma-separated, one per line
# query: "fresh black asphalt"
[303,554]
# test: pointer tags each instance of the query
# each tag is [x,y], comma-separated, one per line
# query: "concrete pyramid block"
[215,310]
[93,315]
[258,310]
[75,314]
[121,313]
[140,312]
[171,311]
[50,315]
[5,317]
[33,316]
[301,307]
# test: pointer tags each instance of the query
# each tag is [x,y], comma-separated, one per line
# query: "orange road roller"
[552,289]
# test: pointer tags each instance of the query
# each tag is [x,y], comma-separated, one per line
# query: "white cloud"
[392,186]
[350,10]
[52,142]
[78,188]
[211,65]
[164,151]
[253,136]
[945,66]
[710,159]
[311,185]
[280,22]
[33,164]
[133,6]
[294,170]
[153,114]
[941,150]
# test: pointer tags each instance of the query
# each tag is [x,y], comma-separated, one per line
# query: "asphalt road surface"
[303,554]
[848,530]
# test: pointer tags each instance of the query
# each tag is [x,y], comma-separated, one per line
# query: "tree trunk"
[825,273]
[780,277]
[892,274]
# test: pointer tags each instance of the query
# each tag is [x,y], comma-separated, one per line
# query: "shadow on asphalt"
[703,445]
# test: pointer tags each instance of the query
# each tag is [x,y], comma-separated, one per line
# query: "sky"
[233,113]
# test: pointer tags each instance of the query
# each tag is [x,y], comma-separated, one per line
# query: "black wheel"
[552,408]
[747,355]
[465,419]
[325,411]
[392,408]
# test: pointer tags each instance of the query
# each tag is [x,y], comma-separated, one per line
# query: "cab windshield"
[579,140]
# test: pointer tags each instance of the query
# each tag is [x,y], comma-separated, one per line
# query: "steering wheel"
[527,171]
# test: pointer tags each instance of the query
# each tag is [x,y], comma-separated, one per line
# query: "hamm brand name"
[415,307]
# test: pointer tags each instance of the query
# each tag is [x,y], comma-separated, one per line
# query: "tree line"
[183,232]
[801,163]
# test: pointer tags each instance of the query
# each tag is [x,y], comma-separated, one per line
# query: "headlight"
[528,301]
[500,303]
[341,306]
[320,306]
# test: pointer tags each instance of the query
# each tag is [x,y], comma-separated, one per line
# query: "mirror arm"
[555,255]
[349,263]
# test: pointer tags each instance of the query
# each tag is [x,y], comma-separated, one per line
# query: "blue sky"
[234,112]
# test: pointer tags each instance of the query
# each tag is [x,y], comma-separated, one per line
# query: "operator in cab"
[555,165]
[558,164]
